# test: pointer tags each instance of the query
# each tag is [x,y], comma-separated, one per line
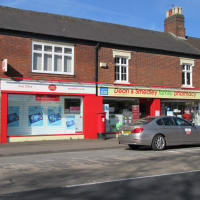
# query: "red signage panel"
[47,98]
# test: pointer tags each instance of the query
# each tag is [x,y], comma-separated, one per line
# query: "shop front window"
[43,115]
[119,112]
[187,109]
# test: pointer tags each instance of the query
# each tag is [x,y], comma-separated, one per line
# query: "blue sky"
[147,14]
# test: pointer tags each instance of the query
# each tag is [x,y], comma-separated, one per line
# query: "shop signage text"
[47,98]
[28,86]
[151,93]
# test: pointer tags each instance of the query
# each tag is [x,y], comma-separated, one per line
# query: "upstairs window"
[186,75]
[52,58]
[121,69]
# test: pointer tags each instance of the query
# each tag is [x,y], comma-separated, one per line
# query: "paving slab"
[38,147]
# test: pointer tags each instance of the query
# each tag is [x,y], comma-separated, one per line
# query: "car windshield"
[142,121]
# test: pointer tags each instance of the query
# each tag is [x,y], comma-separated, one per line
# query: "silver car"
[159,132]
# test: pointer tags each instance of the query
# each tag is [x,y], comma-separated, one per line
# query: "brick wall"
[18,51]
[148,69]
[175,25]
[144,68]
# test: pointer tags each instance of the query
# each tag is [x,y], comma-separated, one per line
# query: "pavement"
[42,147]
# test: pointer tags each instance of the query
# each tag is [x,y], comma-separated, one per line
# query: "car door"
[172,132]
[189,132]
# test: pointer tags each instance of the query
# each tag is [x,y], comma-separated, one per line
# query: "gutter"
[96,66]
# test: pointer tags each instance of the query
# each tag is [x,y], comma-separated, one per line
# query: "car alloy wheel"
[158,143]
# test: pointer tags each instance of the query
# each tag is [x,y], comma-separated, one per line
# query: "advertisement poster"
[106,110]
[54,116]
[70,122]
[79,123]
[13,116]
[135,112]
[35,116]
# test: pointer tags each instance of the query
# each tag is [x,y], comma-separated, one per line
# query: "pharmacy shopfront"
[128,103]
[44,110]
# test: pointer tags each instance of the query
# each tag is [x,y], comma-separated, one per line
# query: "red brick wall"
[144,68]
[176,25]
[18,51]
[148,69]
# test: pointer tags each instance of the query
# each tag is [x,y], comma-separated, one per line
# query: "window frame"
[53,53]
[120,65]
[186,71]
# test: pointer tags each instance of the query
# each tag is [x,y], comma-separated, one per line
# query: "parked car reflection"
[159,132]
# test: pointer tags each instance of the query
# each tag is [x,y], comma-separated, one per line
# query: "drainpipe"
[96,66]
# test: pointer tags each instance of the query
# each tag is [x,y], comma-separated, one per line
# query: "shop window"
[50,58]
[187,75]
[72,106]
[121,69]
[43,115]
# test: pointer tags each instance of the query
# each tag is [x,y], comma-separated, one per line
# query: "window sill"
[187,86]
[55,73]
[119,82]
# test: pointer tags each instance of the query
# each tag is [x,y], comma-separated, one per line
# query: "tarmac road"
[184,186]
[29,174]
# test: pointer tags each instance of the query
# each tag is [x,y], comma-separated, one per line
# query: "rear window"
[143,121]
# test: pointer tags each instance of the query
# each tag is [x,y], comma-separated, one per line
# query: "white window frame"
[186,71]
[120,65]
[187,62]
[122,54]
[53,53]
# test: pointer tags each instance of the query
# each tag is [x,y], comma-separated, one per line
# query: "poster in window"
[13,116]
[54,116]
[79,123]
[70,122]
[35,116]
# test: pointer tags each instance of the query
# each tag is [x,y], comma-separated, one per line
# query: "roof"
[63,26]
[194,42]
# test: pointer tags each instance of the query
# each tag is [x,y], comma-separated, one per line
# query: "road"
[79,173]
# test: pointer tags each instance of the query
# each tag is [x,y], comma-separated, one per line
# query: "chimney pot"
[174,22]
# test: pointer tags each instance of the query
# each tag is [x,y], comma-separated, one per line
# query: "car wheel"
[158,143]
[132,146]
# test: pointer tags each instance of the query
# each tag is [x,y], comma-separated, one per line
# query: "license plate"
[126,132]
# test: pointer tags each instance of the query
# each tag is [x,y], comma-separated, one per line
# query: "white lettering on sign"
[5,65]
[187,131]
[28,86]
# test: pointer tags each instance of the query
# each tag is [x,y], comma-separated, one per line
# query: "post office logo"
[52,87]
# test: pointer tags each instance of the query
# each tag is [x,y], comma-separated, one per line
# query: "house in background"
[59,73]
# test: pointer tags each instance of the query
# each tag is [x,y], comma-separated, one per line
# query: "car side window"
[181,122]
[168,121]
[160,122]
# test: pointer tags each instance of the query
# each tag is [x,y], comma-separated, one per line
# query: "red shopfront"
[48,110]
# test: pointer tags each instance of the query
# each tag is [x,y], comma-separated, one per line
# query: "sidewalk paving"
[40,147]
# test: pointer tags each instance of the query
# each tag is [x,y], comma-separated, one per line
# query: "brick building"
[58,73]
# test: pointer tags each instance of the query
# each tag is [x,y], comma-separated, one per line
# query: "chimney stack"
[174,22]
